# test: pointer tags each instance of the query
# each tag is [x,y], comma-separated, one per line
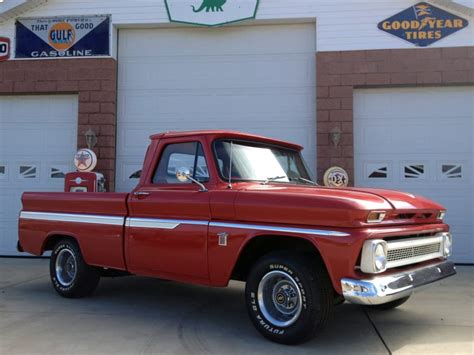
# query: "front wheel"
[70,275]
[289,297]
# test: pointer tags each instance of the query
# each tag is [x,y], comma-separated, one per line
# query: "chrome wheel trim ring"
[279,298]
[66,267]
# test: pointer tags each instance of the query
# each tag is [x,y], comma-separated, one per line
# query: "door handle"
[141,194]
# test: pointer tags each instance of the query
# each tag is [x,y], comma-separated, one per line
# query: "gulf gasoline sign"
[423,24]
[73,36]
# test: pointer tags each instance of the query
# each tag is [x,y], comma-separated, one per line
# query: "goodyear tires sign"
[423,24]
[73,36]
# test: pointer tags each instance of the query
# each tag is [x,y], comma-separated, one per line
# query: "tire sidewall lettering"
[54,279]
[266,325]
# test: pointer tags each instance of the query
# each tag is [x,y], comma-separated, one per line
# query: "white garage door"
[421,141]
[38,136]
[257,79]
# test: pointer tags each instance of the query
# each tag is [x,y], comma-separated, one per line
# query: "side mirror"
[183,175]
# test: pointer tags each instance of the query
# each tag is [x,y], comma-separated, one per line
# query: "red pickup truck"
[212,206]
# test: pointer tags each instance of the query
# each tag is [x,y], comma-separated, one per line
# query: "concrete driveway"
[141,315]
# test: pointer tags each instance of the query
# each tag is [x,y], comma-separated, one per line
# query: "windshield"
[260,162]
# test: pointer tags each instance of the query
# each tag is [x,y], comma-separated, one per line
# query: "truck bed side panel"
[95,220]
[109,203]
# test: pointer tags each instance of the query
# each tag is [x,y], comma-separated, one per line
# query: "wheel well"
[52,240]
[262,245]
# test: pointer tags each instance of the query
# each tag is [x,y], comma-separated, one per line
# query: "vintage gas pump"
[84,179]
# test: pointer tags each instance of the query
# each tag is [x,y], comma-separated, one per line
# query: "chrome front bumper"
[384,289]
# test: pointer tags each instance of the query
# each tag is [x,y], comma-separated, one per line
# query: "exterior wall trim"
[339,73]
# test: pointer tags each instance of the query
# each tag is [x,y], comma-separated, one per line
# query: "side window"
[181,155]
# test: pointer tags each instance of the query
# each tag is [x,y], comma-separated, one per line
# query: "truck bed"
[95,220]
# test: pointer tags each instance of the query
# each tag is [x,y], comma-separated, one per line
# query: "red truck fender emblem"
[223,239]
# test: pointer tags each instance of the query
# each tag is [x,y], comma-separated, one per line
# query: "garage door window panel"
[28,172]
[58,171]
[452,171]
[378,172]
[414,171]
[136,174]
[3,172]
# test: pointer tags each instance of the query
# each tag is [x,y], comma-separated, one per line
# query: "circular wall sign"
[336,177]
[62,36]
[85,160]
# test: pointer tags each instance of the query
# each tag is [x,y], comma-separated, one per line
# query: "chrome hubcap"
[279,298]
[66,266]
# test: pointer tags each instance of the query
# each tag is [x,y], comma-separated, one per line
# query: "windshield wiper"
[269,179]
[306,181]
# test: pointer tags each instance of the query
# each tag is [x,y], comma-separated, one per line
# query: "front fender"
[223,258]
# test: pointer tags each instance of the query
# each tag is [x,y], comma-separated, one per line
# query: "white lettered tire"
[289,297]
[70,275]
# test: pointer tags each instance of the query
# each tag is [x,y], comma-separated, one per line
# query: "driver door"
[167,228]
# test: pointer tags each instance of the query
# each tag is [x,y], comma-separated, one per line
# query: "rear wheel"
[70,275]
[289,297]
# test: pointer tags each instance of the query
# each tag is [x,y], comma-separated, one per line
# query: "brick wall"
[339,73]
[93,80]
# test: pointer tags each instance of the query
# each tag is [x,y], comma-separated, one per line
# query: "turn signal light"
[441,215]
[376,216]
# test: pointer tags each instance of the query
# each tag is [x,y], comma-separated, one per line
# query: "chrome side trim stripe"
[160,223]
[167,223]
[75,218]
[280,229]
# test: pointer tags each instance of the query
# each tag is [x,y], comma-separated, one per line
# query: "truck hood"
[397,199]
[324,206]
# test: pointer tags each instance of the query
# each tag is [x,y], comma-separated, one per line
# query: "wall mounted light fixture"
[335,136]
[91,138]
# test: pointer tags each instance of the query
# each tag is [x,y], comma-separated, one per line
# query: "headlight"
[380,258]
[376,216]
[441,215]
[447,244]
[374,256]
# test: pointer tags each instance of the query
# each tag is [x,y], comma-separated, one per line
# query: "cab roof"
[214,134]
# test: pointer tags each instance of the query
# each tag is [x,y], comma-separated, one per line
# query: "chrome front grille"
[410,252]
[413,250]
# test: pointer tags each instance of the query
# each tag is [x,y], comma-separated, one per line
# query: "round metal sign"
[85,160]
[336,177]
